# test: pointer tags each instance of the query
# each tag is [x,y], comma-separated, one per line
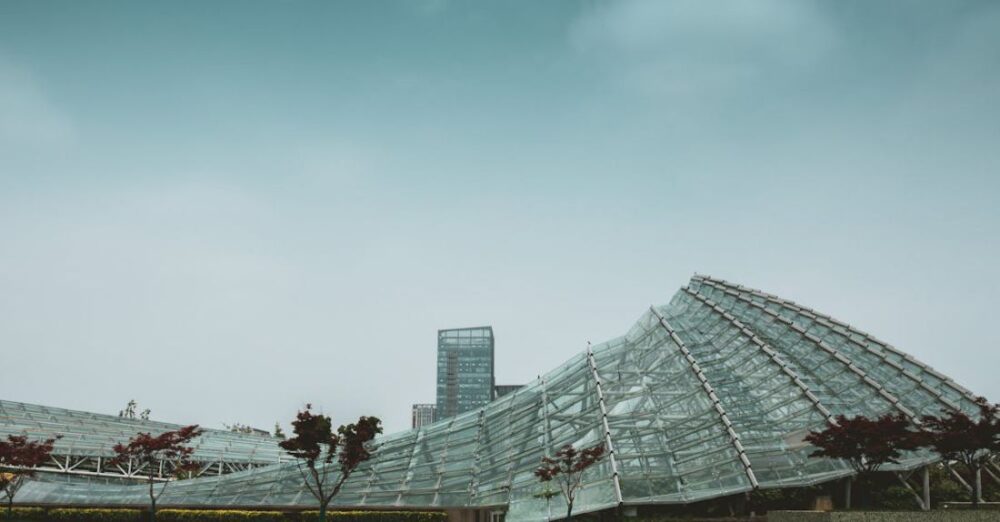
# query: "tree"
[246,429]
[865,444]
[146,452]
[18,458]
[315,447]
[956,436]
[130,409]
[567,469]
[278,432]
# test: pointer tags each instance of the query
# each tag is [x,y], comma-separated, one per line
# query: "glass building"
[708,396]
[464,370]
[85,448]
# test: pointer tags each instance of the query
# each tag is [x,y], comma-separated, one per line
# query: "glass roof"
[93,434]
[707,396]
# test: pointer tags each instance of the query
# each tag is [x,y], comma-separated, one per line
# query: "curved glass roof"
[707,396]
[88,437]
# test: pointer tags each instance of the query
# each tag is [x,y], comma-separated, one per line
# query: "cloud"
[27,117]
[693,47]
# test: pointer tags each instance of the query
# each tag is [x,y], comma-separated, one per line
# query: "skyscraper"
[464,370]
[423,414]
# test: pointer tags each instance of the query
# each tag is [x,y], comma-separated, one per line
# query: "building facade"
[503,389]
[423,414]
[465,378]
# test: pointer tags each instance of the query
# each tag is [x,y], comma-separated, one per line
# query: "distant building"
[423,414]
[464,370]
[503,389]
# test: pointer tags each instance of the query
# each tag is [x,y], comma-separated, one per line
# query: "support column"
[905,480]
[991,474]
[847,493]
[927,487]
[957,477]
[979,484]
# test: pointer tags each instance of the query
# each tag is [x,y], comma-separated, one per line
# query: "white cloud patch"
[27,117]
[697,47]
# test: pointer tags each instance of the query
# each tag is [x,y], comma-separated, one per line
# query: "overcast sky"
[227,209]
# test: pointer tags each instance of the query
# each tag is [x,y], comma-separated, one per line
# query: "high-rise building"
[464,370]
[423,414]
[503,389]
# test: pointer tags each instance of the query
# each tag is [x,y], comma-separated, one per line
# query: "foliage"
[313,516]
[94,515]
[18,458]
[245,429]
[145,451]
[956,436]
[192,515]
[130,409]
[764,500]
[864,443]
[567,469]
[25,514]
[278,432]
[315,447]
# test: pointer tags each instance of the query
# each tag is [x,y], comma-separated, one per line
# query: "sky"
[227,210]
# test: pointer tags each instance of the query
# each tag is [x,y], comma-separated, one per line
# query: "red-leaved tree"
[866,444]
[145,452]
[567,468]
[315,447]
[18,459]
[956,436]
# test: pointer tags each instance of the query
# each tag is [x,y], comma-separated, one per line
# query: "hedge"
[22,514]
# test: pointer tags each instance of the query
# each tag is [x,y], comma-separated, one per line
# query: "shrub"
[234,515]
[95,515]
[375,516]
[25,514]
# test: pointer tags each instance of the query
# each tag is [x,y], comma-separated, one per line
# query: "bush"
[895,498]
[26,514]
[95,515]
[23,514]
[372,516]
[234,515]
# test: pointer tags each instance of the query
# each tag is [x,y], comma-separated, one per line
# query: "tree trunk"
[847,493]
[322,512]
[10,507]
[569,510]
[152,502]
